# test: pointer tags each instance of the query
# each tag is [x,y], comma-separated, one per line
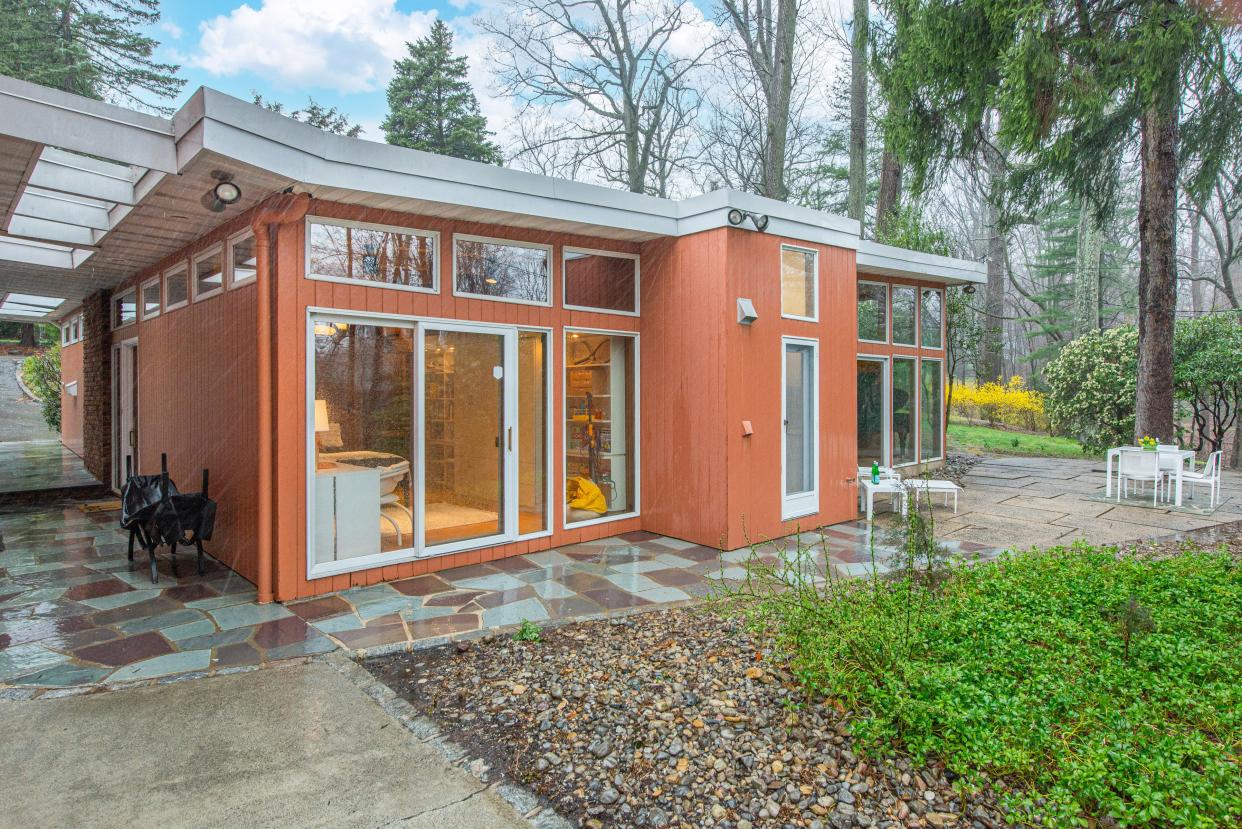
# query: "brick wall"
[96,391]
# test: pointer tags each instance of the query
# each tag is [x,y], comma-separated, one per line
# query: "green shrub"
[41,373]
[1017,672]
[1091,386]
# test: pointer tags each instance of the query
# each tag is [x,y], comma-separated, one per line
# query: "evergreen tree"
[431,106]
[93,48]
[329,119]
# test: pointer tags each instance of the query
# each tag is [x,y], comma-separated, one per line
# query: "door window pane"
[870,412]
[904,301]
[363,424]
[930,322]
[501,270]
[532,432]
[465,431]
[377,254]
[600,415]
[799,419]
[930,406]
[798,282]
[209,274]
[596,280]
[176,287]
[903,402]
[872,311]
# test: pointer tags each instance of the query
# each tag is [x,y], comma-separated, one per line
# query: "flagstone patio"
[75,613]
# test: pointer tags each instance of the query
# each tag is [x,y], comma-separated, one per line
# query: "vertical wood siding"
[70,406]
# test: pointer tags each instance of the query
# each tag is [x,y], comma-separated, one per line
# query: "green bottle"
[875,472]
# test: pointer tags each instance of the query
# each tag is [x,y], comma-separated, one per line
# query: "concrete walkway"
[20,417]
[299,745]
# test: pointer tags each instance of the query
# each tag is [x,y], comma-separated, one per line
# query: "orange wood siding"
[294,294]
[754,356]
[70,405]
[685,317]
[197,401]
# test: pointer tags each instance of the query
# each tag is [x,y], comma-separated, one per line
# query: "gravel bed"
[674,718]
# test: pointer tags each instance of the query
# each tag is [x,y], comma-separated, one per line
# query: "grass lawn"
[967,438]
[1082,683]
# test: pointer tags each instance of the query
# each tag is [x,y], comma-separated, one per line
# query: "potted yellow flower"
[1148,443]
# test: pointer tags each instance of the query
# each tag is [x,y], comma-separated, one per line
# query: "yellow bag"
[583,494]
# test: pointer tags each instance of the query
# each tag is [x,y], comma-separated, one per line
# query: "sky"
[340,52]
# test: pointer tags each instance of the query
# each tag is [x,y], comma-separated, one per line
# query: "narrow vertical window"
[905,314]
[931,406]
[904,400]
[800,434]
[799,283]
[600,425]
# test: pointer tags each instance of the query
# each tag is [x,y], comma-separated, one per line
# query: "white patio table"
[1183,456]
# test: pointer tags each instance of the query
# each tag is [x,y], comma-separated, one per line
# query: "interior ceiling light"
[223,194]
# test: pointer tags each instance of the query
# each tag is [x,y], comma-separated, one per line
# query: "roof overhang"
[886,260]
[91,193]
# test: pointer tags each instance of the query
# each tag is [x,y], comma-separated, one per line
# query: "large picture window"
[503,270]
[932,317]
[601,281]
[873,311]
[799,283]
[392,257]
[905,314]
[931,408]
[904,400]
[363,409]
[600,425]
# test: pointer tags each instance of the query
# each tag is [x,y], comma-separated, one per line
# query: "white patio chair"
[1208,476]
[1140,467]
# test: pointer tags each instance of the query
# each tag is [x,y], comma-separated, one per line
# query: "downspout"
[278,210]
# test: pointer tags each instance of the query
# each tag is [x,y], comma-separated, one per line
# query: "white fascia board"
[709,211]
[52,231]
[75,181]
[64,209]
[61,119]
[33,253]
[887,260]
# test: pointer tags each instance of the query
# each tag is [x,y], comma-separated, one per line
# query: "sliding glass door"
[872,411]
[426,438]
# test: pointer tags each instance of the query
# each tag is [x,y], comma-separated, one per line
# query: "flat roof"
[91,192]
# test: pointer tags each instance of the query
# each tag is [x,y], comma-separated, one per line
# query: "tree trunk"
[1157,288]
[889,197]
[991,348]
[780,89]
[29,339]
[1087,272]
[858,111]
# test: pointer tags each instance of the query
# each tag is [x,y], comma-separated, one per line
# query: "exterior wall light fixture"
[759,220]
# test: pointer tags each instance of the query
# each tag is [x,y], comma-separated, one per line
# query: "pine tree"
[431,105]
[329,119]
[93,48]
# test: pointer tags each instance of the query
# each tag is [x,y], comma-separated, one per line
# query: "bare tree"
[859,38]
[763,36]
[620,69]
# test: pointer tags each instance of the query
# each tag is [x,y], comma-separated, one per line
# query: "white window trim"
[931,347]
[638,455]
[814,283]
[142,301]
[79,330]
[886,405]
[116,300]
[215,250]
[465,237]
[183,267]
[888,311]
[801,504]
[231,279]
[917,392]
[568,249]
[943,426]
[917,311]
[419,550]
[371,283]
[64,334]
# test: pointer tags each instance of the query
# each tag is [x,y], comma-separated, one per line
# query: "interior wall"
[754,355]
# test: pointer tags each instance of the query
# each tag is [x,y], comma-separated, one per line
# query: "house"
[394,362]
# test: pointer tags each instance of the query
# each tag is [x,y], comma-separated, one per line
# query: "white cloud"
[171,29]
[301,44]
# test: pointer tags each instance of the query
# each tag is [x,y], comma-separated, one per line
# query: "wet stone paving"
[74,612]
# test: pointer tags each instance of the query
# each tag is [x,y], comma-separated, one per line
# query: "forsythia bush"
[1011,404]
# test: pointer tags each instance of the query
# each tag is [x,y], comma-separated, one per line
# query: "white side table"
[867,492]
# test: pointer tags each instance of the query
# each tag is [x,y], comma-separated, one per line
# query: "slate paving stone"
[514,613]
[190,592]
[385,606]
[673,577]
[614,598]
[235,655]
[335,624]
[20,660]
[308,647]
[572,606]
[504,597]
[137,610]
[201,627]
[218,639]
[314,609]
[64,675]
[125,651]
[496,581]
[241,615]
[281,632]
[444,626]
[457,598]
[175,618]
[552,590]
[421,586]
[95,589]
[371,637]
[513,565]
[166,665]
[41,629]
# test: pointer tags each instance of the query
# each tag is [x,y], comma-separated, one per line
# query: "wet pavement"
[32,466]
